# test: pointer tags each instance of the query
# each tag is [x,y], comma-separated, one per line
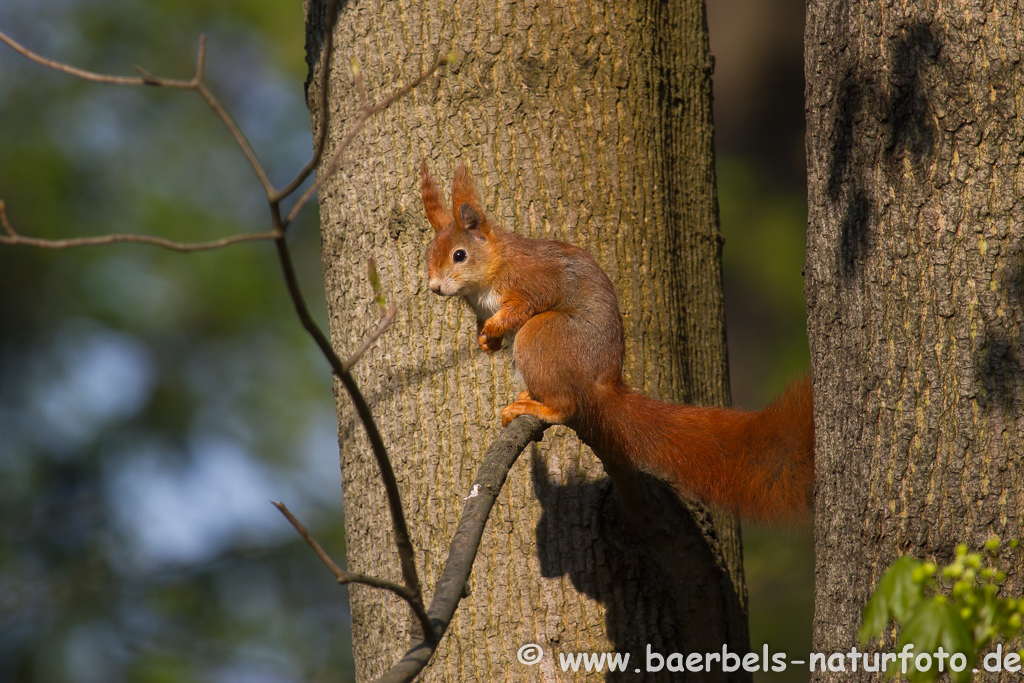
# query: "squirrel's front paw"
[488,344]
[489,339]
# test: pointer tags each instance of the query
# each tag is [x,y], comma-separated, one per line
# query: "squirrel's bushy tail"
[759,465]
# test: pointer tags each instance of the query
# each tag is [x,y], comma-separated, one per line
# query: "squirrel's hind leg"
[528,406]
[545,357]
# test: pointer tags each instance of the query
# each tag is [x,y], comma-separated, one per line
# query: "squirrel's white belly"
[485,303]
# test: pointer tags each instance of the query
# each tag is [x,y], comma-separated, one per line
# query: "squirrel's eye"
[459,256]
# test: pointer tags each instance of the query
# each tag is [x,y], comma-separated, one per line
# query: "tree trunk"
[581,122]
[915,285]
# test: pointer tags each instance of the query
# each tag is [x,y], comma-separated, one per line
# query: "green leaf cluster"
[956,607]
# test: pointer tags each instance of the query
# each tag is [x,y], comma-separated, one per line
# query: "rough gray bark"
[589,123]
[915,286]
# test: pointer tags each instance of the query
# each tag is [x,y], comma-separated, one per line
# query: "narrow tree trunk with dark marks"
[915,289]
[585,122]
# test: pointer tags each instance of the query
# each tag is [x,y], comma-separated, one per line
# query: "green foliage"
[952,609]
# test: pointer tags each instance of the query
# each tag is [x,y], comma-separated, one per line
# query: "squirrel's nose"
[435,286]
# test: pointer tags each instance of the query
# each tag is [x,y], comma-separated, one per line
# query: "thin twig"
[148,78]
[403,540]
[402,537]
[343,577]
[321,107]
[236,132]
[365,115]
[8,228]
[385,323]
[100,240]
[195,83]
[91,75]
[222,114]
[200,60]
[13,238]
[450,588]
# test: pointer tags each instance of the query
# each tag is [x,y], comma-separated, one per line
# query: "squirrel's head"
[461,257]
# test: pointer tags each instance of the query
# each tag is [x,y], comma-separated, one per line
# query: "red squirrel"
[558,308]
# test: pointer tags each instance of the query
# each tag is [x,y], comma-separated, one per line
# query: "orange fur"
[569,348]
[759,465]
[433,201]
[463,192]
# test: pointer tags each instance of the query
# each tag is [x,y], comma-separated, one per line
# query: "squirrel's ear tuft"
[433,201]
[469,215]
[464,192]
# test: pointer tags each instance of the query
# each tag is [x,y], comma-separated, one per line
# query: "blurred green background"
[759,141]
[152,403]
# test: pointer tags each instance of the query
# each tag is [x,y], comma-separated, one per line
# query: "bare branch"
[498,460]
[200,60]
[344,577]
[196,84]
[279,225]
[385,323]
[14,239]
[365,115]
[8,228]
[147,78]
[225,117]
[403,540]
[91,75]
[274,196]
[321,107]
[236,132]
